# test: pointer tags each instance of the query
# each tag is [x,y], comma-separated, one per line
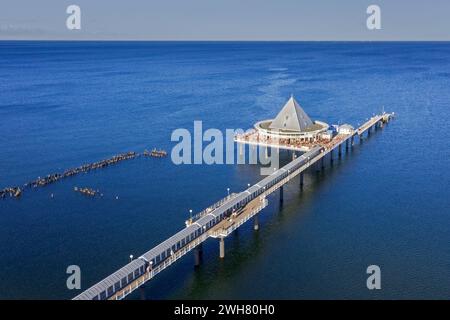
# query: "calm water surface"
[386,203]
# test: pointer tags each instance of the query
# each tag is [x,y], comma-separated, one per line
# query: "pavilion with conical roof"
[292,122]
[291,117]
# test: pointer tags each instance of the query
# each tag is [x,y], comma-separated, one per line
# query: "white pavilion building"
[292,124]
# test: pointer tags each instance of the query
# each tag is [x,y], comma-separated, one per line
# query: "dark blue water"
[386,203]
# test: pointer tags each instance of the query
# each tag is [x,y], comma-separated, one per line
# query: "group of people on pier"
[254,136]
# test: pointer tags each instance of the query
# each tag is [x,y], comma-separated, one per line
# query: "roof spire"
[291,117]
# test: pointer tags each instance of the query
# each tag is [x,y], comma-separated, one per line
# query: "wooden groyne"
[87,191]
[11,191]
[51,178]
[155,153]
[17,191]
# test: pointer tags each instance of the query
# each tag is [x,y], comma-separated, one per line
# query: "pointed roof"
[291,117]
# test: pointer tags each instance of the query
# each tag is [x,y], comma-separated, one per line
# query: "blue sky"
[226,20]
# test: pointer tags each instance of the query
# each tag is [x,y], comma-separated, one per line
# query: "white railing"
[153,272]
[213,206]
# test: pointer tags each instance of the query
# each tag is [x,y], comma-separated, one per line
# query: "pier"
[225,216]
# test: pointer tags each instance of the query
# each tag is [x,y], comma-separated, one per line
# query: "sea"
[386,202]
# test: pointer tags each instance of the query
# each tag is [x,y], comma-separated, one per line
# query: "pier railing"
[149,274]
[213,207]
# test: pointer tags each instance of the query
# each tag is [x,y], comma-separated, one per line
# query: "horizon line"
[212,40]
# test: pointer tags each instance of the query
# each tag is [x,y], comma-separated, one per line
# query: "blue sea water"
[387,203]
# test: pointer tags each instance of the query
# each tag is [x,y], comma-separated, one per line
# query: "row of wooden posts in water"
[155,153]
[54,177]
[87,191]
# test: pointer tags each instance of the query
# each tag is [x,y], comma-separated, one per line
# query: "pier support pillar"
[340,150]
[360,138]
[301,180]
[331,156]
[256,222]
[281,194]
[352,141]
[322,165]
[222,248]
[241,149]
[198,255]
